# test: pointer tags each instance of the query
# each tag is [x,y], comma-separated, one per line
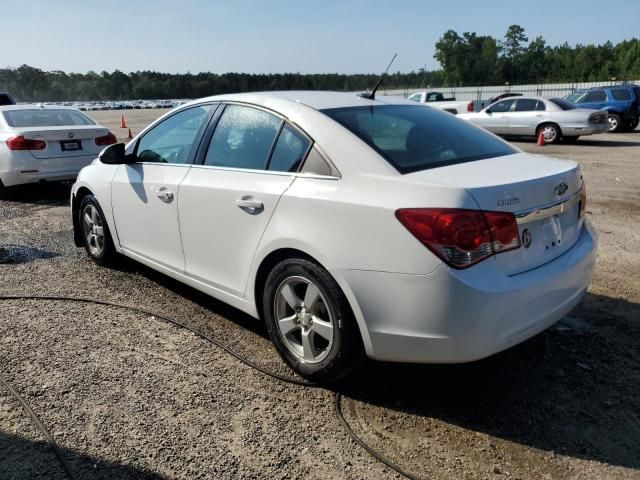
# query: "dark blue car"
[622,102]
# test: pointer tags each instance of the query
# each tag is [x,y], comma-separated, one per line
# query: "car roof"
[4,108]
[318,100]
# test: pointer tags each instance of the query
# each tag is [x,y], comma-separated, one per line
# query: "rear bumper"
[453,316]
[579,130]
[22,169]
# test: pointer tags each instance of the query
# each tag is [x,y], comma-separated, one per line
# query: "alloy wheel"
[93,230]
[304,320]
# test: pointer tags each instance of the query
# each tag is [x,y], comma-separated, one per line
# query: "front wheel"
[615,123]
[310,322]
[95,231]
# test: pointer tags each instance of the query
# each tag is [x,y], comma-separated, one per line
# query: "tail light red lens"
[583,199]
[470,107]
[108,139]
[21,143]
[460,237]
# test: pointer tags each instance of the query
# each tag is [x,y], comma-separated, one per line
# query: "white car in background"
[352,226]
[524,116]
[47,143]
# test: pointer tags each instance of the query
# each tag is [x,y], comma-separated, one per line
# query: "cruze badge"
[561,189]
[70,135]
[508,201]
[526,238]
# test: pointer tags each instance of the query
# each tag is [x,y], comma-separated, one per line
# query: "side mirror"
[488,110]
[113,154]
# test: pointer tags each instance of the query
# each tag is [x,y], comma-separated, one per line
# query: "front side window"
[171,140]
[46,117]
[502,106]
[412,137]
[594,96]
[290,150]
[243,138]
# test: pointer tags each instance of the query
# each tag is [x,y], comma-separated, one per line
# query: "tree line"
[470,60]
[466,60]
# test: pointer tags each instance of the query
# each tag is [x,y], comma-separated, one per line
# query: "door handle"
[165,195]
[249,205]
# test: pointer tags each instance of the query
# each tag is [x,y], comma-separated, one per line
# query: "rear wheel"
[310,322]
[615,123]
[550,132]
[95,231]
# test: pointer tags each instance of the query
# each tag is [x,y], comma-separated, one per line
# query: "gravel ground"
[128,396]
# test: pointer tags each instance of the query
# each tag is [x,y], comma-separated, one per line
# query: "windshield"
[575,97]
[413,138]
[46,118]
[563,104]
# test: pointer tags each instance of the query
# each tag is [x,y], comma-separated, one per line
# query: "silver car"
[529,116]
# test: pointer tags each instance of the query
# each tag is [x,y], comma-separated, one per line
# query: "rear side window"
[46,118]
[621,94]
[243,138]
[414,137]
[594,96]
[290,150]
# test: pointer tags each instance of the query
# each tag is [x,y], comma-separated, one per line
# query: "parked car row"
[555,118]
[119,105]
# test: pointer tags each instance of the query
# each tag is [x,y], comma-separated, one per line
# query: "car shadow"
[572,389]
[22,458]
[585,141]
[50,194]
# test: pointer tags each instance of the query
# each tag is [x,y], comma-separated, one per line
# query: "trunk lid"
[71,141]
[542,192]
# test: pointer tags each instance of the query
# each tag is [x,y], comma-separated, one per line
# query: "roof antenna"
[371,95]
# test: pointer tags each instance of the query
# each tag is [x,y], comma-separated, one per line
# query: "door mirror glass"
[113,154]
[488,110]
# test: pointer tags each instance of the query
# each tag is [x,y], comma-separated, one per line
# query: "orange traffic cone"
[130,136]
[541,142]
[123,124]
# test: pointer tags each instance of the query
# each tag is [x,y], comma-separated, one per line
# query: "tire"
[615,123]
[302,301]
[95,233]
[550,132]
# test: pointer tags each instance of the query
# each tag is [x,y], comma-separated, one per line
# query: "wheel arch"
[76,199]
[271,259]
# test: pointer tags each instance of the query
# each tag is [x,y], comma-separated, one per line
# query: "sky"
[276,36]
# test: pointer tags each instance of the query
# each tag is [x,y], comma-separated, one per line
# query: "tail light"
[461,238]
[21,143]
[583,199]
[597,118]
[470,107]
[107,139]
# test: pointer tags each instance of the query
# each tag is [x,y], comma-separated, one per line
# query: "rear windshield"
[563,104]
[46,118]
[414,137]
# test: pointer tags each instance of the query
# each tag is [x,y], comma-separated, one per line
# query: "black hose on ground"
[295,381]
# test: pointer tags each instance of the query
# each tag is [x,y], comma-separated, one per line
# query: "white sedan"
[351,226]
[555,118]
[47,143]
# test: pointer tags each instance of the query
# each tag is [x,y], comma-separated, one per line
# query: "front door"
[145,193]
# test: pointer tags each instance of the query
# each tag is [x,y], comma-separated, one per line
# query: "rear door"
[145,193]
[526,116]
[227,201]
